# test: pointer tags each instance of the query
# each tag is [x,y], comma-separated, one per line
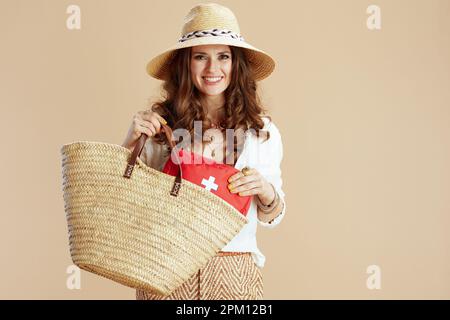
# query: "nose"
[212,65]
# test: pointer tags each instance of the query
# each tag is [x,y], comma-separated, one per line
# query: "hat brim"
[262,63]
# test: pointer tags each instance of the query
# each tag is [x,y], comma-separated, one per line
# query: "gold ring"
[246,171]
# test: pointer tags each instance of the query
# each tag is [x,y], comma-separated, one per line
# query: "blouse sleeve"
[272,170]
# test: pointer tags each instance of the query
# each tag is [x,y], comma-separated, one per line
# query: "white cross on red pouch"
[209,184]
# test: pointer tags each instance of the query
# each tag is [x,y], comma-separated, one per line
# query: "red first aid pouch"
[210,175]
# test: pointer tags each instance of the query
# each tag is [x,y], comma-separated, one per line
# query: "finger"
[156,124]
[251,192]
[144,114]
[240,174]
[245,187]
[146,117]
[249,171]
[235,176]
[149,124]
[149,115]
[243,180]
[161,119]
[148,129]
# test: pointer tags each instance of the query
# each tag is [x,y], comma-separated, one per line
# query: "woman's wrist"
[267,206]
[267,198]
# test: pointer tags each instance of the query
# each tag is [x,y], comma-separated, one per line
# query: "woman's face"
[211,68]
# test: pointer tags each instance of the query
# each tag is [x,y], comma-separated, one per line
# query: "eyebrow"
[206,53]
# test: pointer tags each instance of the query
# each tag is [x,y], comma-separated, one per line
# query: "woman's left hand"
[253,183]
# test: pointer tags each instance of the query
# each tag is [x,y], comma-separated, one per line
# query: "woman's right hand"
[148,122]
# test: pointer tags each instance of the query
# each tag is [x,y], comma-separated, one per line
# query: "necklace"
[211,145]
[215,125]
[210,142]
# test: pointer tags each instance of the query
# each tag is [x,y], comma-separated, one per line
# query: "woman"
[210,78]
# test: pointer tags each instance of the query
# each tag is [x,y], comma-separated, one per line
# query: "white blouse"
[264,156]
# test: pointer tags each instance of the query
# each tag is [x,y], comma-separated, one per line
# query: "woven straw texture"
[132,230]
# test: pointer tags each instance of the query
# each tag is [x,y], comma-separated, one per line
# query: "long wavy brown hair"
[181,104]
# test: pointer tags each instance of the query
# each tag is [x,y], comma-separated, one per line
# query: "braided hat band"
[208,24]
[209,33]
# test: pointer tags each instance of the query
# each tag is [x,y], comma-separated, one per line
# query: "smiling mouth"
[212,80]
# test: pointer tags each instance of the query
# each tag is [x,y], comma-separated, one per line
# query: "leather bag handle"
[137,152]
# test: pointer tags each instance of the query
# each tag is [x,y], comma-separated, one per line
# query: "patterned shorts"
[227,276]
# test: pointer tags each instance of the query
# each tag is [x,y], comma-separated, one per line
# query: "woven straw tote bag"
[136,225]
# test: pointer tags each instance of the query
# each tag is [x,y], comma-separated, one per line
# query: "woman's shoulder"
[270,126]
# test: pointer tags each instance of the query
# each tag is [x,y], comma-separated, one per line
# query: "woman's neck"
[214,107]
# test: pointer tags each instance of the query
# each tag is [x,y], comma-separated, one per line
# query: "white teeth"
[214,79]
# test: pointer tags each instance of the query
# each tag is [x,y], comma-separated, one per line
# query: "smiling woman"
[210,77]
[211,70]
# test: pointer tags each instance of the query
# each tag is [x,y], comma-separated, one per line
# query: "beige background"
[364,116]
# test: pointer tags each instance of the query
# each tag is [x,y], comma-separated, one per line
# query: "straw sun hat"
[211,23]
